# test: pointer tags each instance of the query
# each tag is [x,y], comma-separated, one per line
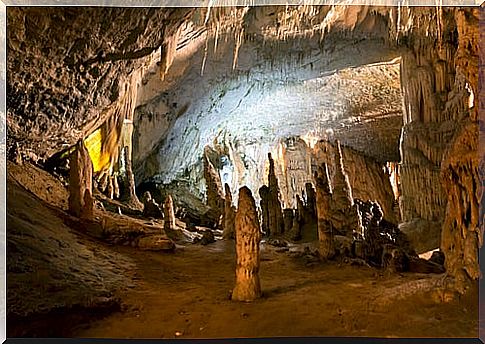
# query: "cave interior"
[298,170]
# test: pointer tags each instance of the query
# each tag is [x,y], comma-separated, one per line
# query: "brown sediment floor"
[187,295]
[64,283]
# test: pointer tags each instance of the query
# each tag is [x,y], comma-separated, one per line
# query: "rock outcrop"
[81,202]
[461,236]
[367,177]
[248,236]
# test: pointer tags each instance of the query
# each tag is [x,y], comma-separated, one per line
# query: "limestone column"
[215,196]
[169,214]
[288,215]
[248,237]
[264,194]
[129,190]
[342,193]
[275,222]
[323,203]
[81,201]
[229,214]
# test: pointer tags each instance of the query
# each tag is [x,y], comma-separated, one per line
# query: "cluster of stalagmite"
[367,178]
[169,214]
[150,207]
[248,236]
[271,210]
[229,214]
[343,212]
[323,203]
[81,200]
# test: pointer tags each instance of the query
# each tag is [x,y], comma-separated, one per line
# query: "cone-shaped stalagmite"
[80,183]
[229,215]
[215,195]
[323,201]
[344,213]
[275,220]
[129,195]
[248,237]
[342,194]
[169,214]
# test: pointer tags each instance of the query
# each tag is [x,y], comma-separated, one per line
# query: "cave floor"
[186,295]
[62,273]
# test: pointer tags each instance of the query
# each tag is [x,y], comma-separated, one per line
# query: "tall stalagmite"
[81,201]
[264,195]
[248,237]
[169,214]
[129,195]
[229,214]
[215,195]
[344,213]
[324,224]
[275,221]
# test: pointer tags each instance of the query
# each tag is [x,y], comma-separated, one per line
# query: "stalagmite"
[344,213]
[324,225]
[215,195]
[150,207]
[80,183]
[288,215]
[169,214]
[129,195]
[342,193]
[229,215]
[248,237]
[275,222]
[264,194]
[310,199]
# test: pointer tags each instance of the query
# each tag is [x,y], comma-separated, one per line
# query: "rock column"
[169,214]
[275,221]
[323,203]
[229,215]
[248,237]
[264,194]
[81,201]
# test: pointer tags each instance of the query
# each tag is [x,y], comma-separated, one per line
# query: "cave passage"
[170,169]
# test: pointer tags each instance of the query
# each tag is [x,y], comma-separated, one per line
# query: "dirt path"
[186,295]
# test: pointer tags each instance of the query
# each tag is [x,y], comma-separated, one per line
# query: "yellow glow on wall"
[100,158]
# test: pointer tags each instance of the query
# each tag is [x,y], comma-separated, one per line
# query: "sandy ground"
[55,273]
[187,295]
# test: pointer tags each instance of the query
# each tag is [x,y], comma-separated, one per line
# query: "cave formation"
[296,170]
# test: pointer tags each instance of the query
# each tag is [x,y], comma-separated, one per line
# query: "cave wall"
[67,67]
[439,142]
